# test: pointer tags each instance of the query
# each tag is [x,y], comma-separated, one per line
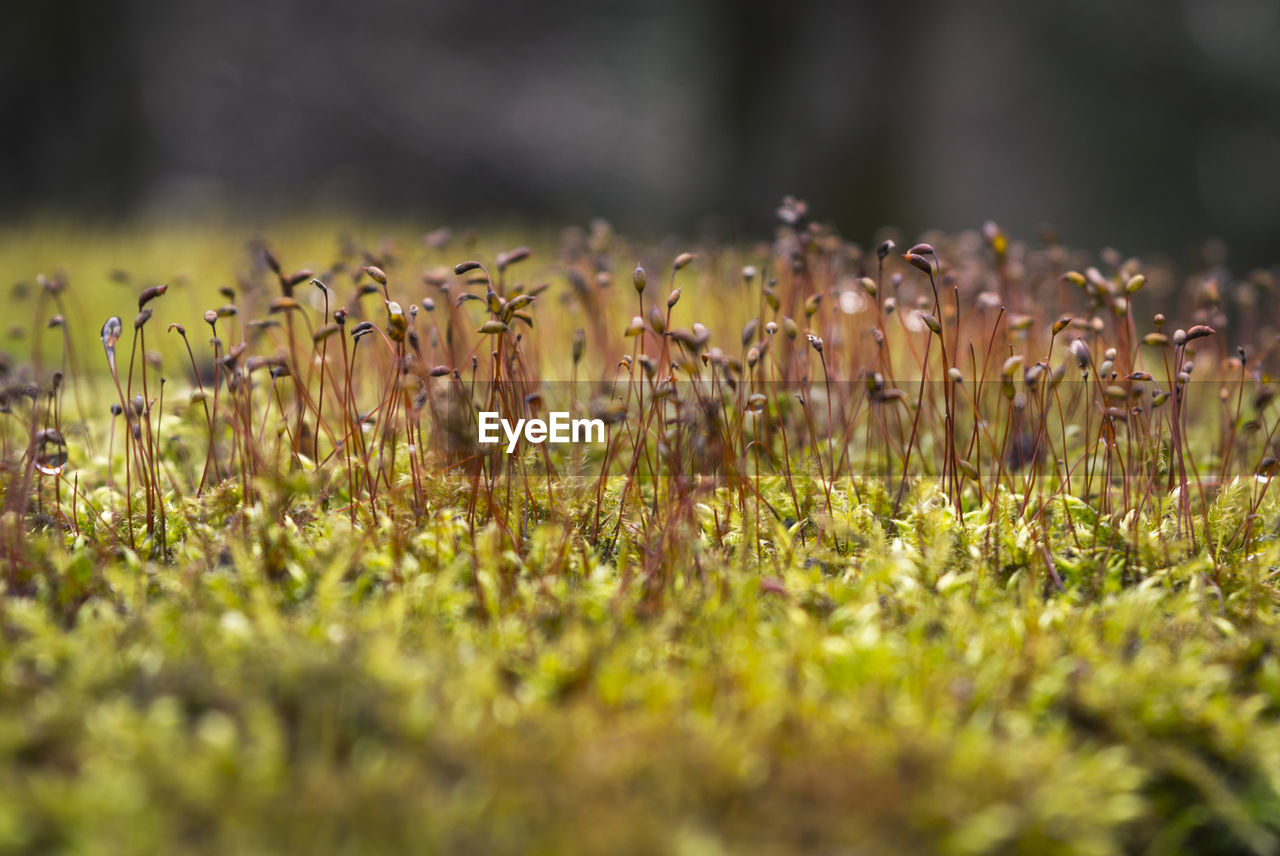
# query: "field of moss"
[950,547]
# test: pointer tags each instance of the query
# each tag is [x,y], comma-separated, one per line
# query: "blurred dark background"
[1147,125]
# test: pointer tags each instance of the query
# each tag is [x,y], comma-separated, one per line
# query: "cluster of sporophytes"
[791,395]
[961,545]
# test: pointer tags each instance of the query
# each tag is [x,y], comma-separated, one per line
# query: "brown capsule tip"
[151,294]
[298,277]
[324,332]
[918,261]
[519,254]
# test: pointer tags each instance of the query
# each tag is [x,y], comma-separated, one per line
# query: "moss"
[324,626]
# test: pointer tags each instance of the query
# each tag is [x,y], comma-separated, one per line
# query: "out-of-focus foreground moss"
[333,698]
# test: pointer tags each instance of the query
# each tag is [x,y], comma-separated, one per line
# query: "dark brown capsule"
[325,332]
[151,294]
[919,262]
[507,259]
